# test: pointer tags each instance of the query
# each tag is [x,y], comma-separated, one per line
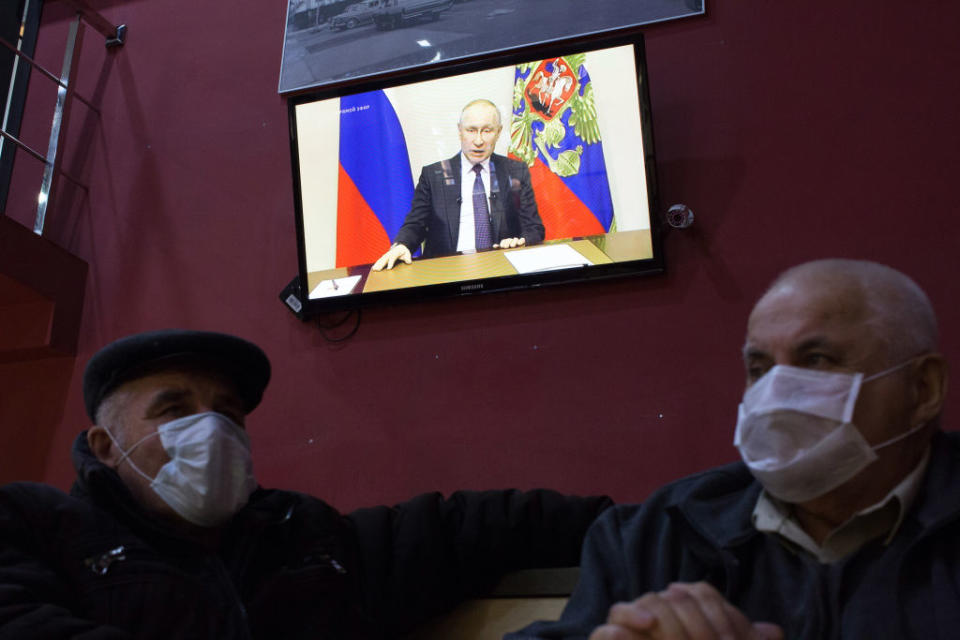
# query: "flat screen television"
[372,159]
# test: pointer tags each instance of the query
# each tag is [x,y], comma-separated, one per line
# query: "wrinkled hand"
[509,243]
[388,259]
[683,611]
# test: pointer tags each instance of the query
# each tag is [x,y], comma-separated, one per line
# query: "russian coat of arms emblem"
[550,87]
[554,113]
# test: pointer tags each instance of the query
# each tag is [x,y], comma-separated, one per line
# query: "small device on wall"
[680,216]
[292,297]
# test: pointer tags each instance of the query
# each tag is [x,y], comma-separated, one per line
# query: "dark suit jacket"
[435,213]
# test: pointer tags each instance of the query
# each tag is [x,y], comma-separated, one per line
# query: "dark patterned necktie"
[481,214]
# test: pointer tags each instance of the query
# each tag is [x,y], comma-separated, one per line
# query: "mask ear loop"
[890,370]
[860,380]
[908,432]
[905,434]
[127,453]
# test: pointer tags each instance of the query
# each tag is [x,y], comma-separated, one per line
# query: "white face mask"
[795,434]
[210,473]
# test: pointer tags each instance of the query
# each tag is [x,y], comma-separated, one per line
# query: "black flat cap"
[135,356]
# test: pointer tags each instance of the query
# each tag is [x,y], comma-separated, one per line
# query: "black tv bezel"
[647,266]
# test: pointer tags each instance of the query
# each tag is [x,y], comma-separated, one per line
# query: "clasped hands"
[682,611]
[401,252]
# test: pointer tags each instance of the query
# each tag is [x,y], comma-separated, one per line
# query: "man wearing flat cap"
[166,534]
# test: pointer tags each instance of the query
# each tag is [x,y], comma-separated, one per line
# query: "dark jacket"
[434,216]
[93,565]
[700,529]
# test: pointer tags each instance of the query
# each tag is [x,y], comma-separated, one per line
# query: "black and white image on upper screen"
[332,41]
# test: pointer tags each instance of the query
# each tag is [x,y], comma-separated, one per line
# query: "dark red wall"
[793,131]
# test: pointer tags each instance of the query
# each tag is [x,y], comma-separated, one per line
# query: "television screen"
[516,171]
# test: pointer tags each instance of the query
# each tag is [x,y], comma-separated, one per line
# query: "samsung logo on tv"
[471,287]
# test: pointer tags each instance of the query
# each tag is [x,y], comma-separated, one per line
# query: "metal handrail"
[39,156]
[116,36]
[36,65]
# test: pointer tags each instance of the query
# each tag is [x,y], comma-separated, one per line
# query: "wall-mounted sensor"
[679,216]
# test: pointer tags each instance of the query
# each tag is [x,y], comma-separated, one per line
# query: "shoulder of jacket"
[704,492]
[711,483]
[34,509]
[35,494]
[716,483]
[507,161]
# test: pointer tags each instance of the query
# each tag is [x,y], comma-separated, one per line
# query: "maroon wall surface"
[793,132]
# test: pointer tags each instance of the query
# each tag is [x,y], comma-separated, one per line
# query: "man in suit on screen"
[473,201]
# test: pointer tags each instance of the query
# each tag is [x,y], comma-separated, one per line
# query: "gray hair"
[108,416]
[476,101]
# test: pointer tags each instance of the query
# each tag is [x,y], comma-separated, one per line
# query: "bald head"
[887,302]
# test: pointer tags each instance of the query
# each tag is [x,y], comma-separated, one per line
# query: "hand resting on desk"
[401,252]
[397,251]
[509,243]
[683,611]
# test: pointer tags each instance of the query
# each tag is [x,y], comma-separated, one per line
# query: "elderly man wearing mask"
[843,518]
[166,533]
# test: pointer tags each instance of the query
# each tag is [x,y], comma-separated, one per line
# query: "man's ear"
[102,446]
[930,387]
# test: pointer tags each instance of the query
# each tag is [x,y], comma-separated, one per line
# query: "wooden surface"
[490,618]
[600,249]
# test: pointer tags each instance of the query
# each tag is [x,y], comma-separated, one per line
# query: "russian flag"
[375,185]
[555,132]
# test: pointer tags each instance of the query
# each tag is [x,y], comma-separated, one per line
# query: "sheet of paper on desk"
[334,287]
[546,258]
